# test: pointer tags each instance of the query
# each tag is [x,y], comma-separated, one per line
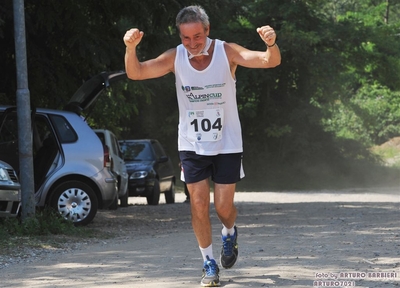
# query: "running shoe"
[229,251]
[210,276]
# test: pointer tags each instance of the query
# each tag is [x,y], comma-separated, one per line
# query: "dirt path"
[284,240]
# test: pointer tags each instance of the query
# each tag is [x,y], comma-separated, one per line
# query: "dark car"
[150,170]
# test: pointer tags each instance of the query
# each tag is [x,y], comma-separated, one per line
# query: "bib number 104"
[206,125]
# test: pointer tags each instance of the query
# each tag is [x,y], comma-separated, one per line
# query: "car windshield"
[136,151]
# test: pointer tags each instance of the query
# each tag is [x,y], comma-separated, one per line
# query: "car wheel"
[154,198]
[124,199]
[75,201]
[170,194]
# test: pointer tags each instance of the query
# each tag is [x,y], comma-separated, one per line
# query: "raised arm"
[270,58]
[153,68]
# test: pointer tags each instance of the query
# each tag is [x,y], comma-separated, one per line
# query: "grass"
[46,230]
[388,154]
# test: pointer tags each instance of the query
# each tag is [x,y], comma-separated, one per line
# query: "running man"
[209,131]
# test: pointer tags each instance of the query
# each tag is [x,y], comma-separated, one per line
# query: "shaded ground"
[284,240]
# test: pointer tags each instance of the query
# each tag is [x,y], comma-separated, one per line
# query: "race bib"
[205,125]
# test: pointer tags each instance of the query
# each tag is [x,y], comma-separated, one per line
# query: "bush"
[45,222]
[371,116]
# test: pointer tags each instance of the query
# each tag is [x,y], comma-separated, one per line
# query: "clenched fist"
[133,37]
[267,34]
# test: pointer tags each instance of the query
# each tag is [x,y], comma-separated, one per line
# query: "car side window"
[41,134]
[41,128]
[64,130]
[114,144]
[158,149]
[101,137]
[120,153]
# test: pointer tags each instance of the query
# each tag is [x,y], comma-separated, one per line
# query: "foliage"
[367,109]
[314,116]
[44,222]
[47,229]
[389,155]
[372,116]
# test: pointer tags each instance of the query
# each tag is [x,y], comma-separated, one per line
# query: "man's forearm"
[132,64]
[273,55]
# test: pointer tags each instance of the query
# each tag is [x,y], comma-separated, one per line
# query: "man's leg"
[200,205]
[223,201]
[226,210]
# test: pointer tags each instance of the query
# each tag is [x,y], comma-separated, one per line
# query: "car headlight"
[138,175]
[4,175]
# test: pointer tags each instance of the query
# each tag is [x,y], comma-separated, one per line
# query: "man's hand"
[267,34]
[132,38]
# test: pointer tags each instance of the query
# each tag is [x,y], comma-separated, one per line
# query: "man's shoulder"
[232,45]
[170,53]
[231,49]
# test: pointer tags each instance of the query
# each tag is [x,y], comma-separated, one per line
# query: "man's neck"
[204,51]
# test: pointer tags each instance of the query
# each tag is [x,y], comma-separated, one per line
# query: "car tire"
[78,196]
[154,198]
[170,194]
[124,199]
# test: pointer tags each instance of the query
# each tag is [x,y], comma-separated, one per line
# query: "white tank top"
[208,117]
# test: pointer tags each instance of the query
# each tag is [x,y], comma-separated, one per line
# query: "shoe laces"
[228,244]
[211,268]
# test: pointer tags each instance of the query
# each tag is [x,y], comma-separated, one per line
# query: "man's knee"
[199,205]
[225,210]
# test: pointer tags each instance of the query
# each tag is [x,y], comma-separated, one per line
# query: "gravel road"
[286,239]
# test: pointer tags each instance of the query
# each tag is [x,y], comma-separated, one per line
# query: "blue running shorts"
[222,168]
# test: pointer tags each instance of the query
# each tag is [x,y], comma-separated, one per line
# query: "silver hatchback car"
[71,166]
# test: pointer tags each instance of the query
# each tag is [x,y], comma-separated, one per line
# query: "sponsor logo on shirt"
[194,88]
[194,96]
[215,85]
[203,97]
[191,88]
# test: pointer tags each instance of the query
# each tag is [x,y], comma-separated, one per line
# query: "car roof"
[40,110]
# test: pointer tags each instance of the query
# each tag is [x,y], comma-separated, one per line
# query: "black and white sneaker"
[229,251]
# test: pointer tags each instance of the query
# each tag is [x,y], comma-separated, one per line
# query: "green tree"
[366,108]
[342,51]
[372,116]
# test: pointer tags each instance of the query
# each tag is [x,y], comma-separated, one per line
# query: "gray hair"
[192,14]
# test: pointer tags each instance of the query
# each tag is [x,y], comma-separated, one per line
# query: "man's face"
[193,36]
